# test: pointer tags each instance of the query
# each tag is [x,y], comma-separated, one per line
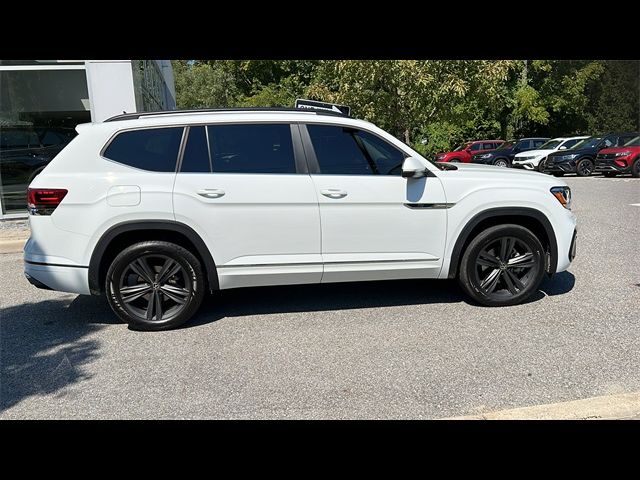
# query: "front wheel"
[501,162]
[503,265]
[541,165]
[155,285]
[454,160]
[585,167]
[635,168]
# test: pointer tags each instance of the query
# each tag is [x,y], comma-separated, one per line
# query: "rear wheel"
[503,265]
[155,285]
[501,162]
[585,167]
[635,168]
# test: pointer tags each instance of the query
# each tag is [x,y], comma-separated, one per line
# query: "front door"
[375,224]
[241,187]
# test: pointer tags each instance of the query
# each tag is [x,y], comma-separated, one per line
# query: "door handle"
[211,192]
[333,193]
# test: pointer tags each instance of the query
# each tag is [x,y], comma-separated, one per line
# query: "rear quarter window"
[152,149]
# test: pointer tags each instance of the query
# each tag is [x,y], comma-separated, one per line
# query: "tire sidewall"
[580,162]
[187,261]
[467,268]
[635,168]
[502,160]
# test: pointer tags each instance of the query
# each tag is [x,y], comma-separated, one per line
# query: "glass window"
[609,142]
[153,149]
[523,145]
[18,138]
[476,146]
[538,143]
[634,142]
[571,143]
[348,151]
[488,146]
[624,139]
[196,153]
[251,148]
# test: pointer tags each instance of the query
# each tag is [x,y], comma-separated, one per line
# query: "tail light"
[43,201]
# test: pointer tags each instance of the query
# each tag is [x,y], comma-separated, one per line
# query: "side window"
[488,146]
[196,154]
[538,143]
[523,145]
[348,151]
[49,138]
[476,146]
[153,149]
[387,158]
[570,143]
[251,148]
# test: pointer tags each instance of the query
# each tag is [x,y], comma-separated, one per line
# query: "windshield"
[508,144]
[550,145]
[633,142]
[587,143]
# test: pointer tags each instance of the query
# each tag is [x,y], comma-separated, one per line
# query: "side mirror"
[562,148]
[413,168]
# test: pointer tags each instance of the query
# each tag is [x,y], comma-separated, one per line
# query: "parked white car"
[154,209]
[534,159]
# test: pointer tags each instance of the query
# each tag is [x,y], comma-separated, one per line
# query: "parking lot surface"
[400,349]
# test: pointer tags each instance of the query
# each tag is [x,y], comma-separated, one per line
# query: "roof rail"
[137,115]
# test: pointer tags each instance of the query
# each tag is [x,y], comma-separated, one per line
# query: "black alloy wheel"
[585,167]
[502,266]
[155,285]
[635,168]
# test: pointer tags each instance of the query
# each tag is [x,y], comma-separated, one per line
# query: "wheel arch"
[530,218]
[120,236]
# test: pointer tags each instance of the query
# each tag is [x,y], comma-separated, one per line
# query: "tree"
[203,85]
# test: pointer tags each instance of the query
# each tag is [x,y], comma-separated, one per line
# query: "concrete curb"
[623,406]
[15,245]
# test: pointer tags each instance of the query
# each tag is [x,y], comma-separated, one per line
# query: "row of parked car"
[610,154]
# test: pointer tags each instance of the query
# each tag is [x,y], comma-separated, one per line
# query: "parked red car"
[464,152]
[615,160]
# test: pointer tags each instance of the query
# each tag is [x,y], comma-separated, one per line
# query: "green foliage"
[446,102]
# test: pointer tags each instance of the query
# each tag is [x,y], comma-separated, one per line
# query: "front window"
[635,142]
[588,142]
[571,143]
[349,151]
[550,145]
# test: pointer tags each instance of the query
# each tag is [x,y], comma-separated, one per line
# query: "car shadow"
[346,296]
[44,346]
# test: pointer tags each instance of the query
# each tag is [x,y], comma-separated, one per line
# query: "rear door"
[245,188]
[375,224]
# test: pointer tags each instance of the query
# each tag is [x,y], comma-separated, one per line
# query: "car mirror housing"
[413,168]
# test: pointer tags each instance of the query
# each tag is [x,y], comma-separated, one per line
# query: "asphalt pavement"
[400,349]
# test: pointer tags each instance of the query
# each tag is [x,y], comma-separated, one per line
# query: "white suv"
[534,159]
[155,209]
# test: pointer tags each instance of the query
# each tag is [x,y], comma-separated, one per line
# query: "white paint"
[280,229]
[635,204]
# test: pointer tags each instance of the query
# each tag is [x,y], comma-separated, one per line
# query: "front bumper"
[610,166]
[567,167]
[524,165]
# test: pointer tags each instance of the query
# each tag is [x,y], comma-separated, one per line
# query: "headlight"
[486,155]
[563,195]
[623,154]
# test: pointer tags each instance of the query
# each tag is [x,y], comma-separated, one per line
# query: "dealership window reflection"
[39,110]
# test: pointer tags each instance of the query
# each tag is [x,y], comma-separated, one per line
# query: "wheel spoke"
[158,299]
[504,241]
[178,295]
[151,306]
[169,273]
[524,260]
[507,279]
[129,294]
[516,281]
[487,260]
[141,268]
[490,282]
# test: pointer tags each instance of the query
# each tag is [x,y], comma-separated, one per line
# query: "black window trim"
[147,127]
[312,159]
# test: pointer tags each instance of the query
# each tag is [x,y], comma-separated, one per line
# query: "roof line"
[137,115]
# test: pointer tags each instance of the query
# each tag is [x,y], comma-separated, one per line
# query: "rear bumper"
[54,273]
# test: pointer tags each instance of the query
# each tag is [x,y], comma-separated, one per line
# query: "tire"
[541,165]
[635,168]
[501,162]
[178,295]
[485,261]
[585,167]
[454,160]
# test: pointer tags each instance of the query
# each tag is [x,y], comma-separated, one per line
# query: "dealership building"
[41,102]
